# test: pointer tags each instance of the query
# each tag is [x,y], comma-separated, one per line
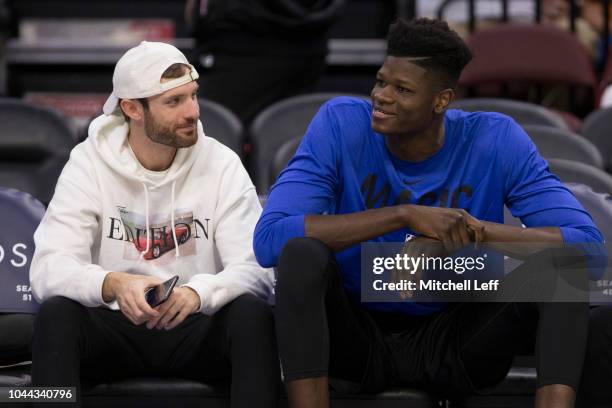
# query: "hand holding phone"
[157,295]
[128,289]
[182,302]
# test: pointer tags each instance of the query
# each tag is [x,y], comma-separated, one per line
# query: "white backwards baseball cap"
[138,73]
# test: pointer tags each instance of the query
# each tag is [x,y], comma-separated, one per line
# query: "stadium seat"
[575,172]
[152,392]
[597,129]
[279,122]
[524,113]
[282,156]
[598,205]
[397,397]
[21,214]
[516,391]
[555,143]
[221,124]
[606,77]
[547,56]
[156,392]
[34,146]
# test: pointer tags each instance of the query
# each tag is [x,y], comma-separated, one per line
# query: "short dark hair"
[442,50]
[173,71]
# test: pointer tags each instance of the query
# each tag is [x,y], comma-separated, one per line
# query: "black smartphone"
[157,295]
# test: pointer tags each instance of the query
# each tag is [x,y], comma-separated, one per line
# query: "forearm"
[520,242]
[341,231]
[81,282]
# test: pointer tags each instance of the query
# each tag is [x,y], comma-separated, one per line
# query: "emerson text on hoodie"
[109,213]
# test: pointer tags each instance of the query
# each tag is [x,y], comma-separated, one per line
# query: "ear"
[443,99]
[132,108]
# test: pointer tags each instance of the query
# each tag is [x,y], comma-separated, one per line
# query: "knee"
[250,315]
[58,315]
[303,265]
[305,250]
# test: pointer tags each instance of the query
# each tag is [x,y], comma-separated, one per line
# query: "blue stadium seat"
[21,214]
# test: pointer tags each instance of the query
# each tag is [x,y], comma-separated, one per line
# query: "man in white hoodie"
[145,197]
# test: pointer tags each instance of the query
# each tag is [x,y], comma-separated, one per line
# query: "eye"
[402,90]
[379,82]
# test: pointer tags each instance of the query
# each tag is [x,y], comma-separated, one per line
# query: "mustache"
[189,123]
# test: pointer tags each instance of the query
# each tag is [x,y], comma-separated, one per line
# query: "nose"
[192,110]
[382,94]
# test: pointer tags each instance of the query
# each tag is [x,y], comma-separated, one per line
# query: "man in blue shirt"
[405,165]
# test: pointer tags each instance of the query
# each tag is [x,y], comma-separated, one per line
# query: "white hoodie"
[109,213]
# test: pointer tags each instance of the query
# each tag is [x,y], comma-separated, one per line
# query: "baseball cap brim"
[110,105]
[113,101]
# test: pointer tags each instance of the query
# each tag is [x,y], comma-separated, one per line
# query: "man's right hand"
[128,290]
[455,227]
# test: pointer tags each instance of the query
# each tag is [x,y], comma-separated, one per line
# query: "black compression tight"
[468,346]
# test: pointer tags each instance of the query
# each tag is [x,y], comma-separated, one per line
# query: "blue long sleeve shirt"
[342,166]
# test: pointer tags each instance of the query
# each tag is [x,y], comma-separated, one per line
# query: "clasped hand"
[454,227]
[128,290]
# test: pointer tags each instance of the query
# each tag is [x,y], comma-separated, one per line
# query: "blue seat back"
[21,213]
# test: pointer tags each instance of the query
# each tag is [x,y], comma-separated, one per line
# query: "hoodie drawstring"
[148,226]
[176,245]
[146,190]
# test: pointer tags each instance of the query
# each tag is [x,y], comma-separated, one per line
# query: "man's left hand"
[182,302]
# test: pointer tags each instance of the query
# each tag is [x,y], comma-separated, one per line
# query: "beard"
[169,135]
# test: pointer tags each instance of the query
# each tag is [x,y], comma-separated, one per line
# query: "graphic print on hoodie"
[157,245]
